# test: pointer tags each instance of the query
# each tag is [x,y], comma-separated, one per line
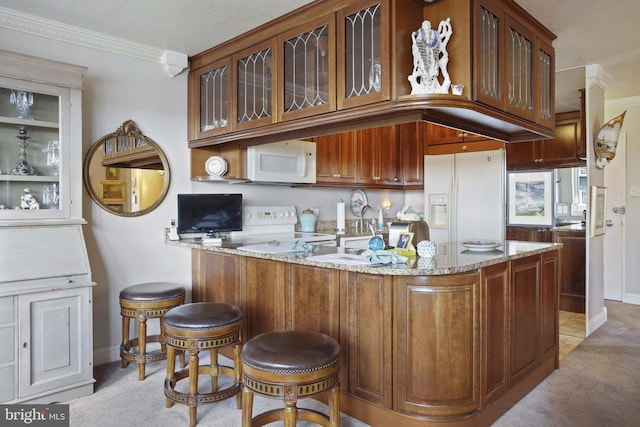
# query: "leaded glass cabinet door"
[307,69]
[520,69]
[545,87]
[34,150]
[212,86]
[488,64]
[254,71]
[364,63]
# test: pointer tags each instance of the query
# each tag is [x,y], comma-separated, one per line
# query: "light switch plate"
[634,191]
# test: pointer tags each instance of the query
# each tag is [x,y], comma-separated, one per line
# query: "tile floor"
[572,327]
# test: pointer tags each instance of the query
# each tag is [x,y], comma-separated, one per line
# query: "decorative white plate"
[216,166]
[481,245]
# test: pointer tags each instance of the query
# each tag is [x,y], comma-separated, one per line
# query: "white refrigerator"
[465,196]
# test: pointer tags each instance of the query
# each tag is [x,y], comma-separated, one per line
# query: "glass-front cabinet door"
[307,69]
[364,63]
[254,85]
[519,45]
[488,54]
[211,86]
[34,150]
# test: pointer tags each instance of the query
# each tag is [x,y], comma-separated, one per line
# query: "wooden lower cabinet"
[437,337]
[415,350]
[216,277]
[529,234]
[312,299]
[549,306]
[496,343]
[534,313]
[365,319]
[572,270]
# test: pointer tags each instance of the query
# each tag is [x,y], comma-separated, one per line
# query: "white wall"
[631,127]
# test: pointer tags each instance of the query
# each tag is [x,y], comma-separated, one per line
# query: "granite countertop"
[577,227]
[452,258]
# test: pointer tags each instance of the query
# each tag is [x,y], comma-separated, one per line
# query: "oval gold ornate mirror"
[126,173]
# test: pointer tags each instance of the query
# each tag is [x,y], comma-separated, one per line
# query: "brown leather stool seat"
[289,365]
[195,327]
[141,302]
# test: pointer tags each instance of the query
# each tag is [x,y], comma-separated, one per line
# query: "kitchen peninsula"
[456,339]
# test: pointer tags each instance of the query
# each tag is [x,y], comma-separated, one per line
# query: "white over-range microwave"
[286,162]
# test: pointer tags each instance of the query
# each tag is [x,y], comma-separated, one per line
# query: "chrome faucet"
[360,220]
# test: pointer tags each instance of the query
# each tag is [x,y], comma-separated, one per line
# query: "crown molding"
[628,102]
[597,76]
[173,62]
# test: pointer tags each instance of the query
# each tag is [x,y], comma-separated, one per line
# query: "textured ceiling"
[588,32]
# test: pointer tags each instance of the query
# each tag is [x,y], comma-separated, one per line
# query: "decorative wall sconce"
[607,141]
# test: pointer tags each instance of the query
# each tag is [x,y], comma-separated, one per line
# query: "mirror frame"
[127,128]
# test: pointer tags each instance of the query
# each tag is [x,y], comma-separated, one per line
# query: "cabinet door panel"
[378,156]
[411,139]
[254,82]
[309,305]
[217,269]
[545,84]
[365,322]
[336,158]
[437,325]
[209,99]
[53,351]
[519,48]
[264,296]
[549,339]
[489,54]
[525,294]
[363,63]
[495,326]
[306,69]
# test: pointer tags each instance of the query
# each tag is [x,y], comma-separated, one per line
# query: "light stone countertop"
[452,258]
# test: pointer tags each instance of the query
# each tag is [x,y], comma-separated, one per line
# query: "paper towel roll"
[340,218]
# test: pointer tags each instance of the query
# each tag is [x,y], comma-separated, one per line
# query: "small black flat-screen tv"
[209,213]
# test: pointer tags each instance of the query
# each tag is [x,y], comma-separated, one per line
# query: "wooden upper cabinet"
[336,158]
[567,149]
[378,156]
[209,100]
[410,136]
[364,62]
[446,140]
[306,69]
[255,86]
[513,66]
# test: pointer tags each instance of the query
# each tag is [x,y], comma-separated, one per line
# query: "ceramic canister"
[307,222]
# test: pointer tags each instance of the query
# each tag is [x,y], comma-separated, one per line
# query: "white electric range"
[270,229]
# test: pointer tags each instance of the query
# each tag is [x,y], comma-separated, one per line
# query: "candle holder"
[22,167]
[23,101]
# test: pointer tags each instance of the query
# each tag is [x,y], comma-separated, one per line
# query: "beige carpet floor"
[597,385]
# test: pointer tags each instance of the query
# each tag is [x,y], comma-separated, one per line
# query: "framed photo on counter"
[530,198]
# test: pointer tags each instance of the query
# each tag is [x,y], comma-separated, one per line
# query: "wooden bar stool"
[195,327]
[290,365]
[141,302]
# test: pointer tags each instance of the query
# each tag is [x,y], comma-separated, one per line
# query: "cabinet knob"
[376,178]
[336,175]
[464,148]
[396,179]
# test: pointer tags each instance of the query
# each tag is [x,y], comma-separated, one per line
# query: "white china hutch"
[46,344]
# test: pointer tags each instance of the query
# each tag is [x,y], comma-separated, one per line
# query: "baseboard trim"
[102,356]
[596,321]
[631,299]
